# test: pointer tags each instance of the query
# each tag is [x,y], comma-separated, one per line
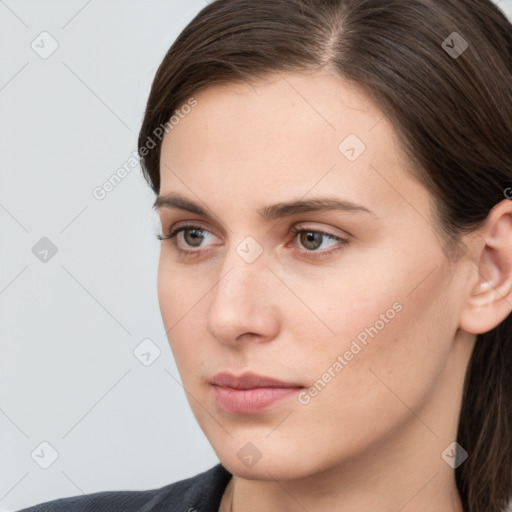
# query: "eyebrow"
[270,212]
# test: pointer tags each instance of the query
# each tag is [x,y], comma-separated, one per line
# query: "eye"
[193,236]
[311,239]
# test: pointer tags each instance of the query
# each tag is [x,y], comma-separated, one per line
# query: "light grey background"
[69,326]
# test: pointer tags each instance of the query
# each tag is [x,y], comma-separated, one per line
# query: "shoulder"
[202,492]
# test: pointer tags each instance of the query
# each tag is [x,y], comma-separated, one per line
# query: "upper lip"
[249,380]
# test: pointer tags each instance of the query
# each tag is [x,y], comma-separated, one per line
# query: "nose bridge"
[242,299]
[242,277]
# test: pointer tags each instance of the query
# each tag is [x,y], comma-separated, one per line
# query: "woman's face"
[364,317]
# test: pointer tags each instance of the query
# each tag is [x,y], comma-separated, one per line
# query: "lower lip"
[251,401]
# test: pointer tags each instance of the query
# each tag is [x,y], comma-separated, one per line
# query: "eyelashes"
[298,232]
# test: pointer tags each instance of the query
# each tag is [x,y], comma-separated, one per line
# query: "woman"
[333,180]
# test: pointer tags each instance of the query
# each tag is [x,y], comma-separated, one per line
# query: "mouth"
[250,380]
[250,393]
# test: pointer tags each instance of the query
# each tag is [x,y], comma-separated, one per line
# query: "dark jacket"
[200,493]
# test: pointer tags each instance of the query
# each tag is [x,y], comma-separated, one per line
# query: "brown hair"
[441,70]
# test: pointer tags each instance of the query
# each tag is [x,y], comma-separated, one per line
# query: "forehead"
[294,103]
[293,132]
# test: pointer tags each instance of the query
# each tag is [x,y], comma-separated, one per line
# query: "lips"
[250,380]
[250,393]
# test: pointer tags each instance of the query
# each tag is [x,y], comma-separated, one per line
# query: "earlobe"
[490,298]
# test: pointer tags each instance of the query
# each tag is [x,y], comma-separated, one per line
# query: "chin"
[271,466]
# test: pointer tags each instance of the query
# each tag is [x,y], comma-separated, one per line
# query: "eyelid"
[305,226]
[187,223]
[299,225]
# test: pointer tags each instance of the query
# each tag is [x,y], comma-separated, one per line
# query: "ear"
[490,299]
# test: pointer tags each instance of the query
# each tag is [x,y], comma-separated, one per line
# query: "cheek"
[167,295]
[392,337]
[179,290]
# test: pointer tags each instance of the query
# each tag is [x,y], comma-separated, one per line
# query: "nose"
[244,302]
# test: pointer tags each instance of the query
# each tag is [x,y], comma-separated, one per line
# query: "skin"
[373,437]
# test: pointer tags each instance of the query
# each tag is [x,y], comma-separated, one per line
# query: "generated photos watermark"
[100,192]
[305,396]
